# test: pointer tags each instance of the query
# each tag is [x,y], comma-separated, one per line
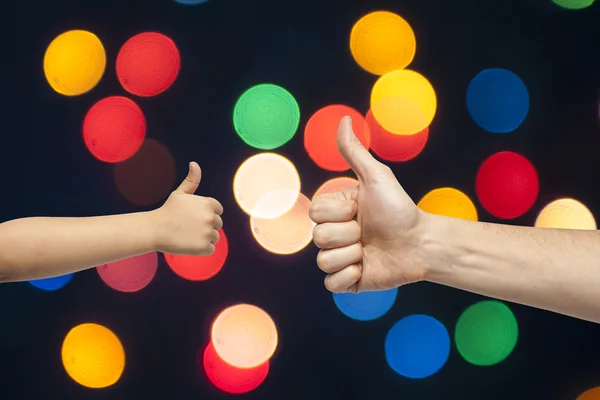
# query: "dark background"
[228,46]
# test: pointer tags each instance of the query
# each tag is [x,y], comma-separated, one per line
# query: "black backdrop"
[228,46]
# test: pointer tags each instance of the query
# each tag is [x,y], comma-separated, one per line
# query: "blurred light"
[449,202]
[417,346]
[497,100]
[574,4]
[507,185]
[148,176]
[592,394]
[131,274]
[148,64]
[200,268]
[382,42]
[266,116]
[403,102]
[288,233]
[566,214]
[230,379]
[114,129]
[74,62]
[266,185]
[395,148]
[51,284]
[93,356]
[244,336]
[191,2]
[365,306]
[336,185]
[320,136]
[486,333]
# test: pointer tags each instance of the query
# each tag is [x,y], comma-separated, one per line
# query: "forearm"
[552,269]
[34,248]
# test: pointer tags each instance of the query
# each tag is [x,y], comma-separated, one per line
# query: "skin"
[374,237]
[35,248]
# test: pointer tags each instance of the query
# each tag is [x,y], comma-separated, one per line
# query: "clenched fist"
[188,224]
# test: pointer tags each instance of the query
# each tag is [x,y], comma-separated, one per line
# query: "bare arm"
[552,269]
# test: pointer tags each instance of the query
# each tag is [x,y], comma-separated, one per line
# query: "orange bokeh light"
[336,185]
[320,135]
[200,268]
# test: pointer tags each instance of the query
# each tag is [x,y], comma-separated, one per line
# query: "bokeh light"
[148,64]
[114,129]
[395,148]
[74,62]
[200,268]
[382,42]
[191,2]
[131,274]
[148,176]
[507,185]
[266,116]
[336,185]
[486,333]
[228,378]
[497,100]
[403,102]
[53,283]
[320,135]
[93,356]
[574,4]
[449,202]
[244,336]
[591,394]
[417,346]
[566,214]
[266,185]
[287,234]
[365,306]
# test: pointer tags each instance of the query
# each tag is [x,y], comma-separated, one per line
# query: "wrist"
[153,229]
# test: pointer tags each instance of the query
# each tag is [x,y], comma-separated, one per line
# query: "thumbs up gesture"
[188,224]
[370,236]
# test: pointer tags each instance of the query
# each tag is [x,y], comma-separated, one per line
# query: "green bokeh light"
[266,116]
[486,333]
[574,4]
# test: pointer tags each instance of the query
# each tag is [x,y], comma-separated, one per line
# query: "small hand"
[369,235]
[188,224]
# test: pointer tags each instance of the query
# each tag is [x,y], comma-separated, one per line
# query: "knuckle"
[314,210]
[321,237]
[322,261]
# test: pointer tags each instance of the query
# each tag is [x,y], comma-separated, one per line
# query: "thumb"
[352,150]
[192,180]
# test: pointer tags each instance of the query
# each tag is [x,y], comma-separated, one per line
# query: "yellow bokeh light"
[74,62]
[93,356]
[566,214]
[266,185]
[403,102]
[244,336]
[449,202]
[381,42]
[336,185]
[288,233]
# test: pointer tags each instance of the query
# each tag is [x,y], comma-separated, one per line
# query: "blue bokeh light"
[365,306]
[417,346]
[51,284]
[190,2]
[498,100]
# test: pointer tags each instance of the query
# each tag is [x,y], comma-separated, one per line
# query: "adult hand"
[188,224]
[370,235]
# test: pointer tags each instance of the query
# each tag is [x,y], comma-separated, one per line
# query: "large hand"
[188,224]
[370,235]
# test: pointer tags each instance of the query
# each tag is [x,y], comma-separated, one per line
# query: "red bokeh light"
[114,129]
[395,148]
[130,275]
[200,268]
[507,185]
[320,136]
[148,64]
[228,378]
[148,176]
